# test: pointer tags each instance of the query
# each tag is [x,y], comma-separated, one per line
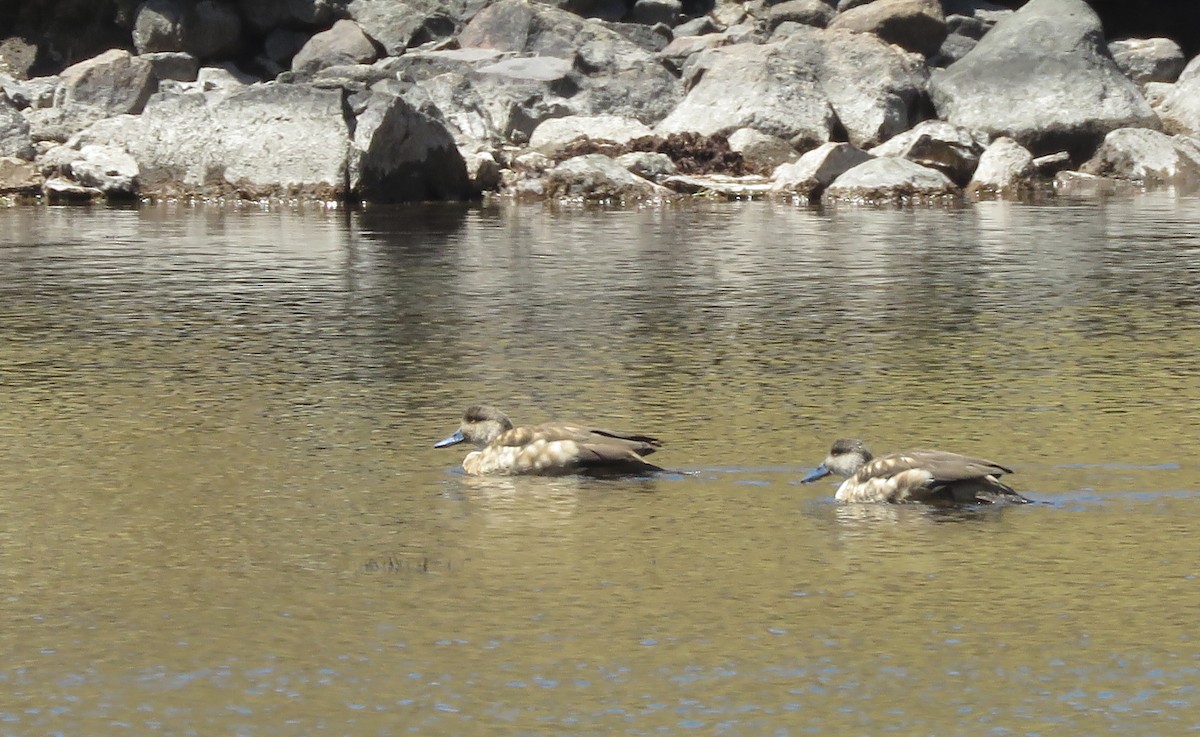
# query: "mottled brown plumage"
[552,448]
[933,476]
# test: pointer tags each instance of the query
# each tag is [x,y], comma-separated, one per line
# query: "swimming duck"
[553,448]
[934,476]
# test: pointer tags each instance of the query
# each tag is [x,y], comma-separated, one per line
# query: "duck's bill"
[819,472]
[454,439]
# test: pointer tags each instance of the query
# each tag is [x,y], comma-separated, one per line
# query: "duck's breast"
[898,487]
[536,457]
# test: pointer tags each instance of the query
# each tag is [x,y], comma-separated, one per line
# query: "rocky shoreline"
[813,101]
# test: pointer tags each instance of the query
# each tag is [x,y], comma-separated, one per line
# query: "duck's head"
[481,425]
[845,458]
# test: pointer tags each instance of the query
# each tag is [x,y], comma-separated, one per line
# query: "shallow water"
[222,513]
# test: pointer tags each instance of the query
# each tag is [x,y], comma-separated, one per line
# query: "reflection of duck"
[549,449]
[934,476]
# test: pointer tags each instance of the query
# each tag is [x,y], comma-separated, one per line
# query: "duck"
[549,449]
[930,476]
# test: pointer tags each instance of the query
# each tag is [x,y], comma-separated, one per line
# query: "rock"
[817,169]
[1051,164]
[1043,77]
[265,16]
[800,88]
[648,38]
[1146,156]
[806,12]
[774,88]
[761,152]
[352,77]
[159,26]
[720,186]
[951,149]
[597,178]
[483,171]
[1005,168]
[890,180]
[30,93]
[18,176]
[1179,108]
[1156,93]
[398,25]
[1078,184]
[613,75]
[108,169]
[212,31]
[59,190]
[700,26]
[916,25]
[17,55]
[176,65]
[344,43]
[677,53]
[1148,59]
[114,82]
[517,94]
[400,155]
[649,12]
[648,164]
[15,140]
[555,133]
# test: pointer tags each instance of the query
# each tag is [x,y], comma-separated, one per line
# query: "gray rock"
[761,152]
[649,12]
[1043,77]
[213,30]
[650,38]
[682,48]
[352,77]
[483,171]
[344,43]
[720,185]
[696,27]
[613,75]
[159,25]
[890,180]
[112,83]
[951,149]
[1148,59]
[648,164]
[1179,108]
[401,24]
[1005,168]
[1156,93]
[266,16]
[400,155]
[18,176]
[955,47]
[1050,164]
[517,94]
[555,133]
[806,12]
[1190,70]
[59,190]
[176,65]
[255,142]
[816,170]
[30,93]
[108,169]
[1146,156]
[916,25]
[799,89]
[15,140]
[17,55]
[774,88]
[969,26]
[597,178]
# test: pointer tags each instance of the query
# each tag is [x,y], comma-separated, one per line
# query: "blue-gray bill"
[819,472]
[454,439]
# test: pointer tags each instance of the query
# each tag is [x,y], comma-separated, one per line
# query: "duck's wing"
[938,475]
[946,466]
[585,435]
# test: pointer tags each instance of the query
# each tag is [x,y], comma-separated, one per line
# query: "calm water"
[220,511]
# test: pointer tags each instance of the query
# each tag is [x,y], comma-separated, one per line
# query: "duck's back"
[929,476]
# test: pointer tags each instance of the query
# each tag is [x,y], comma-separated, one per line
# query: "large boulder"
[916,25]
[1179,104]
[890,180]
[278,140]
[401,24]
[206,29]
[816,170]
[801,89]
[555,133]
[597,178]
[1042,76]
[1146,156]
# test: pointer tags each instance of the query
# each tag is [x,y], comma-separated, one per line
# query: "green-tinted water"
[222,514]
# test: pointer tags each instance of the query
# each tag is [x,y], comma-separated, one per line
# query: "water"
[220,511]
